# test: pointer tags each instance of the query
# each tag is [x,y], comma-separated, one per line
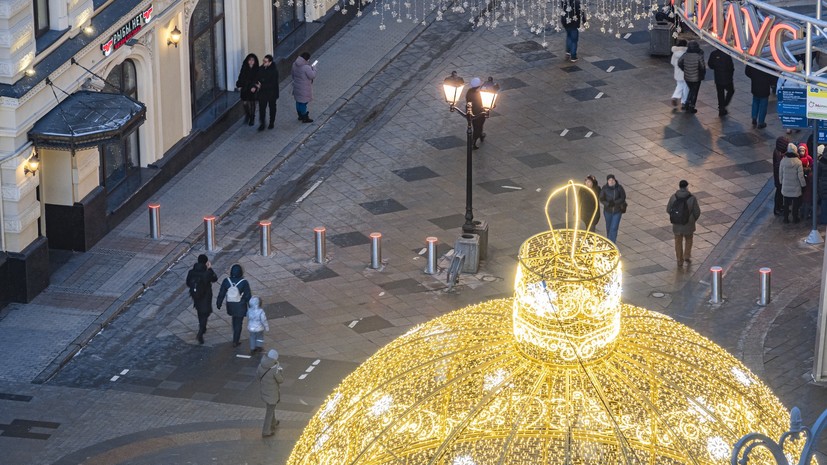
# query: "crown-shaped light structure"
[563,373]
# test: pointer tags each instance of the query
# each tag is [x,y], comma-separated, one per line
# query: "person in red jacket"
[807,194]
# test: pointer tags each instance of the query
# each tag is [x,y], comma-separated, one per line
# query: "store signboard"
[126,32]
[817,102]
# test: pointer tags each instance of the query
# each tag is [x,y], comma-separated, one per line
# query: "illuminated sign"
[126,32]
[742,29]
[816,102]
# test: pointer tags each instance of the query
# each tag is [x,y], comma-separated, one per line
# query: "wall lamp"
[174,37]
[32,165]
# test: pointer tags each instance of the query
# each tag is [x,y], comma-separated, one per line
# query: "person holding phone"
[303,75]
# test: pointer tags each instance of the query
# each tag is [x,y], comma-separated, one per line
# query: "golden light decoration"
[562,373]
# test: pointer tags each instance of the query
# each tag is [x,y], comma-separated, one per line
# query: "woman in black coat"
[237,310]
[199,281]
[246,83]
[588,203]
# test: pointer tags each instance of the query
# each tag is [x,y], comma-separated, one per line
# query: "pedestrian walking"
[589,206]
[791,175]
[473,96]
[303,74]
[722,66]
[761,84]
[270,379]
[807,192]
[777,155]
[694,71]
[572,17]
[256,324]
[684,211]
[238,293]
[268,91]
[821,185]
[681,89]
[246,83]
[613,198]
[199,282]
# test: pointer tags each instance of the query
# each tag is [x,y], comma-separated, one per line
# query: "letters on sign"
[127,31]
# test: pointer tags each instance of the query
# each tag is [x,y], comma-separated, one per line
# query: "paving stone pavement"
[391,159]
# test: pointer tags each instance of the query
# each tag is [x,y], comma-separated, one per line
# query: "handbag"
[623,206]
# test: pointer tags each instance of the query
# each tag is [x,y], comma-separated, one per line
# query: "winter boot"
[305,118]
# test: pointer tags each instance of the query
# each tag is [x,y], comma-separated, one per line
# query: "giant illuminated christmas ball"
[561,373]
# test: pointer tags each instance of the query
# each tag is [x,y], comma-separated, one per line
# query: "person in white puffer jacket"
[256,324]
[681,89]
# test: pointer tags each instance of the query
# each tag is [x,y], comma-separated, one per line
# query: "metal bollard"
[321,247]
[265,238]
[430,265]
[717,284]
[375,250]
[155,221]
[209,233]
[765,275]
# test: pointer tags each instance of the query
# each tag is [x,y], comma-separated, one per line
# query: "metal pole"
[717,284]
[209,233]
[375,250]
[468,227]
[430,266]
[765,275]
[265,238]
[319,236]
[155,221]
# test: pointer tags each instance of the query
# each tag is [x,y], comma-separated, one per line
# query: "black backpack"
[198,286]
[679,213]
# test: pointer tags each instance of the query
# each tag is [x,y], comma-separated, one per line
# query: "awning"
[86,119]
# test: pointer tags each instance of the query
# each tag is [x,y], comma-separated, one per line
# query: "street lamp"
[752,440]
[452,86]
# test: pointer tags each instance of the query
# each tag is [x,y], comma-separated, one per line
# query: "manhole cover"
[658,295]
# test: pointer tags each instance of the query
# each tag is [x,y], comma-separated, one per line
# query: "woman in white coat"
[681,89]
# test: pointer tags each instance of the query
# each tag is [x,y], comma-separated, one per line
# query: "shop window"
[208,70]
[287,17]
[41,17]
[121,158]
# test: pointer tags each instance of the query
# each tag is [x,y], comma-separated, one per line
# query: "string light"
[561,373]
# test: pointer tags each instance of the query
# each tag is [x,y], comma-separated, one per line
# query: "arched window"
[121,158]
[208,70]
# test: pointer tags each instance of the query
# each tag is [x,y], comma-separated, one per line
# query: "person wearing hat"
[684,211]
[473,96]
[613,198]
[270,379]
[791,176]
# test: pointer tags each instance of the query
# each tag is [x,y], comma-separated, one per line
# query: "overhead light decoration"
[561,373]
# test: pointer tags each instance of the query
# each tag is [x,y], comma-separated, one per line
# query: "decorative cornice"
[16,223]
[9,8]
[15,193]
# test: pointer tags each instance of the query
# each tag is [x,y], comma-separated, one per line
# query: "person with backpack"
[256,325]
[199,282]
[684,211]
[238,293]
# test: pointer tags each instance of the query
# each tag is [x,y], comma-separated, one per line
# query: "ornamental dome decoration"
[561,373]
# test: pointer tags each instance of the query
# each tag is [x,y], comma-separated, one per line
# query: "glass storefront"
[207,56]
[287,17]
[121,158]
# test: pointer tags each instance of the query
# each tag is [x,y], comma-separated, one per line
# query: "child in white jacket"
[681,89]
[256,324]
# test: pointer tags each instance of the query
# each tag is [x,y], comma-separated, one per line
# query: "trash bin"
[469,245]
[660,38]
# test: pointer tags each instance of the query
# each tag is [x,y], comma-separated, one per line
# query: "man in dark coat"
[760,88]
[268,91]
[723,67]
[684,232]
[237,310]
[694,69]
[778,155]
[199,281]
[572,17]
[821,185]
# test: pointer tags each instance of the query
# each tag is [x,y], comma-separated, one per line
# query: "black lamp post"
[452,87]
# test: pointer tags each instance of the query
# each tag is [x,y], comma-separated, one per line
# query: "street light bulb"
[488,94]
[453,86]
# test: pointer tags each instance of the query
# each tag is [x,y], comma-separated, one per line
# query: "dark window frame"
[219,89]
[126,67]
[40,29]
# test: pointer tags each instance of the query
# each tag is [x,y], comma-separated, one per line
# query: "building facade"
[101,101]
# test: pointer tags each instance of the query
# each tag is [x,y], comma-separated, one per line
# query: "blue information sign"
[822,136]
[792,107]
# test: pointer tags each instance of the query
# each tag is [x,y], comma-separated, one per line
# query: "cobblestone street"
[110,371]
